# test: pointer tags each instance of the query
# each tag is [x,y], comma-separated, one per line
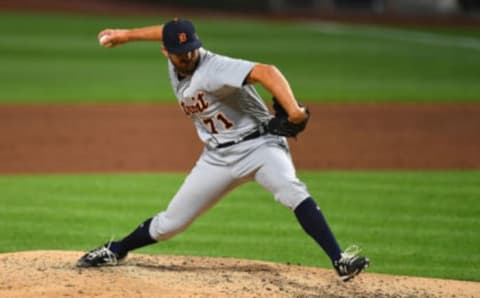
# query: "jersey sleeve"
[225,71]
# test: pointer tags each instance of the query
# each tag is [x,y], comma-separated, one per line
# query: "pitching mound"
[53,274]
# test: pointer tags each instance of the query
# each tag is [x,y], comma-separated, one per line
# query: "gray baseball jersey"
[224,109]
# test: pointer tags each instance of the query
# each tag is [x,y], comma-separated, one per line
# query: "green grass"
[55,58]
[422,224]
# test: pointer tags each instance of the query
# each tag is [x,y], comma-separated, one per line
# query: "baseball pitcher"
[243,142]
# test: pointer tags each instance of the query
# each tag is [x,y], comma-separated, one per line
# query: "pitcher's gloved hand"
[280,125]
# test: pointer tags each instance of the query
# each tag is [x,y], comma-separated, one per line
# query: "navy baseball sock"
[314,223]
[140,237]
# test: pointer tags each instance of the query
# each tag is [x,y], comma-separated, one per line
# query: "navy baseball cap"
[179,36]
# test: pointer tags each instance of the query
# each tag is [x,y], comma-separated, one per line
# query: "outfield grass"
[423,224]
[55,58]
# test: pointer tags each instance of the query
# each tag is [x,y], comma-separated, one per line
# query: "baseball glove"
[280,125]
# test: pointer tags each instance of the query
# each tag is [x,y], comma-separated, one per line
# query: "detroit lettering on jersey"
[199,106]
[215,97]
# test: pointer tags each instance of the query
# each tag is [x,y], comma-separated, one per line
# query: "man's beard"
[186,69]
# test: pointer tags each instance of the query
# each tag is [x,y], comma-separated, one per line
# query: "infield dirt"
[53,274]
[154,137]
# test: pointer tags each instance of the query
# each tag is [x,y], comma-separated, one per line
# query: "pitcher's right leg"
[205,185]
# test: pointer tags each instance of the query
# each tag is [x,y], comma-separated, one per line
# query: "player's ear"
[164,51]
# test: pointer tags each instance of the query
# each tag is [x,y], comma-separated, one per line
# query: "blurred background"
[403,50]
[289,7]
[312,7]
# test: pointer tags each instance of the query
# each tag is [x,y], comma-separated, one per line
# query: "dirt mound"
[53,274]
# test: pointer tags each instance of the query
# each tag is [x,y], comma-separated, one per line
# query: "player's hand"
[113,37]
[299,116]
[282,125]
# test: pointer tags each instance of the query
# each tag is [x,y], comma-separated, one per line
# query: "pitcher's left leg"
[277,174]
